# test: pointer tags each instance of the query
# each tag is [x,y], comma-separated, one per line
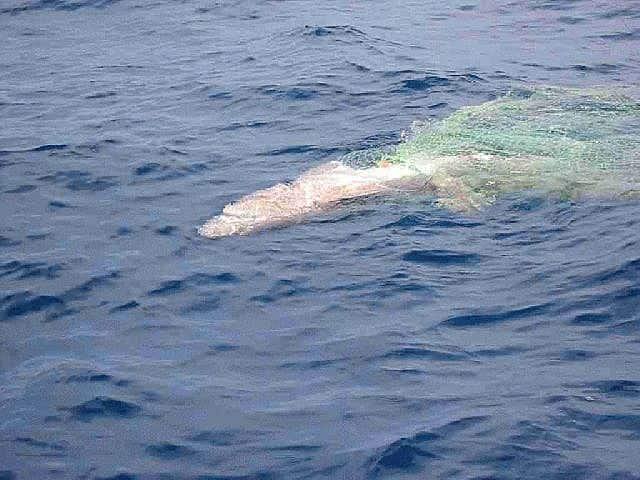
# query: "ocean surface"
[388,339]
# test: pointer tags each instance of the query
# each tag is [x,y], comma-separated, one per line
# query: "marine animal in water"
[550,140]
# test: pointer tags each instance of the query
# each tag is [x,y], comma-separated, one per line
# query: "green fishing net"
[548,138]
[595,126]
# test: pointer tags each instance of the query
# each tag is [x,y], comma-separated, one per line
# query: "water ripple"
[391,338]
[103,407]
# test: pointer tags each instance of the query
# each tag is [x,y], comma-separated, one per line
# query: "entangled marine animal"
[553,141]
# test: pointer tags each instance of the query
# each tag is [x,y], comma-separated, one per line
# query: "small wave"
[248,125]
[169,451]
[441,257]
[58,204]
[39,444]
[569,20]
[100,95]
[27,270]
[591,421]
[125,306]
[621,12]
[629,35]
[149,167]
[604,68]
[425,83]
[283,289]
[78,180]
[425,353]
[591,318]
[418,220]
[46,148]
[500,316]
[616,388]
[302,91]
[93,377]
[28,6]
[173,286]
[400,455]
[292,93]
[40,148]
[499,352]
[150,172]
[32,304]
[22,189]
[220,96]
[575,355]
[83,290]
[103,407]
[119,476]
[167,230]
[54,306]
[560,5]
[411,454]
[8,242]
[294,149]
[431,81]
[226,438]
[328,30]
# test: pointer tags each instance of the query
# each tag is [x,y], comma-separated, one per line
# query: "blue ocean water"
[388,339]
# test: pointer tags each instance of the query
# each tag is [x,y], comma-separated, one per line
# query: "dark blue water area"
[387,339]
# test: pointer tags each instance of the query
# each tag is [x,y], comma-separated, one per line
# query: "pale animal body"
[554,141]
[323,187]
[313,192]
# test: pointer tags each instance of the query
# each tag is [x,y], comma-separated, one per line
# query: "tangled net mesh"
[594,126]
[546,138]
